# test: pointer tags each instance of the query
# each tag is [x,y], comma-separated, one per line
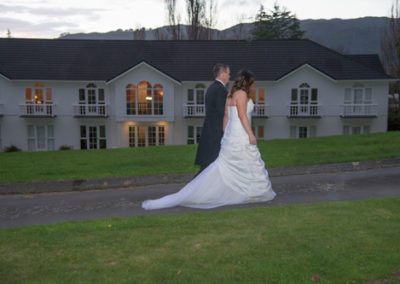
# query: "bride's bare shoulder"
[239,94]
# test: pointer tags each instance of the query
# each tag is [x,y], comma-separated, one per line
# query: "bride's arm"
[241,104]
[226,115]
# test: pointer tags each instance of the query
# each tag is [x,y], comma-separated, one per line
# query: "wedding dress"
[237,176]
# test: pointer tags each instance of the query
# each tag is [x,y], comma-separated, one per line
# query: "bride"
[238,175]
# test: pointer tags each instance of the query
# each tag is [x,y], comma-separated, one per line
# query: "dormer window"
[144,99]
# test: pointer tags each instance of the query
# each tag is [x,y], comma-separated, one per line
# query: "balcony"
[90,110]
[304,111]
[359,110]
[37,110]
[200,110]
[194,111]
[260,110]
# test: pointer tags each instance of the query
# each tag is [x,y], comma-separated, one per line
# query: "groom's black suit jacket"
[211,134]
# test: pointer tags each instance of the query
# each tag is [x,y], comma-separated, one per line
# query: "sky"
[50,18]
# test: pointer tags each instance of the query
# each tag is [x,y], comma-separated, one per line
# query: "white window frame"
[301,108]
[198,92]
[152,89]
[99,138]
[196,130]
[356,129]
[133,135]
[256,131]
[311,131]
[36,143]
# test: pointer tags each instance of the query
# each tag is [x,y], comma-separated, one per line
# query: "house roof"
[103,60]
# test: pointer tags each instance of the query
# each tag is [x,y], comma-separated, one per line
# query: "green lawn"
[341,242]
[67,165]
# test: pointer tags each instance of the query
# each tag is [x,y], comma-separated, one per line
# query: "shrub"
[65,147]
[12,148]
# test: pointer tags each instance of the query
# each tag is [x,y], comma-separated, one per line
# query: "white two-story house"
[92,94]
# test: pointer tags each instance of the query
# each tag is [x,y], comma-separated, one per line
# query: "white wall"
[277,125]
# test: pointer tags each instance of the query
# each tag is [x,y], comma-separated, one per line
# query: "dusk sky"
[50,18]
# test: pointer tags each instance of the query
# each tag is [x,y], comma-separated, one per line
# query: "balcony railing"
[195,111]
[37,110]
[200,110]
[260,110]
[359,110]
[304,110]
[90,110]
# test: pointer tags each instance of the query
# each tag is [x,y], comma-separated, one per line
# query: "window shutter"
[28,94]
[314,96]
[347,96]
[313,131]
[293,132]
[101,96]
[294,95]
[81,96]
[190,96]
[368,96]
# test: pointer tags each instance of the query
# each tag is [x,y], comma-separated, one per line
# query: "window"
[303,131]
[196,101]
[151,132]
[93,137]
[39,100]
[132,136]
[304,101]
[356,129]
[131,99]
[193,134]
[196,96]
[258,95]
[258,131]
[142,136]
[158,99]
[91,100]
[40,137]
[358,100]
[144,99]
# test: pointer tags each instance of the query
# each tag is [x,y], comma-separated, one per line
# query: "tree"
[390,43]
[277,24]
[174,19]
[201,18]
[196,12]
[9,33]
[139,34]
[390,47]
[239,31]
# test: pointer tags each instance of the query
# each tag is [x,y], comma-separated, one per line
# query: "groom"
[211,134]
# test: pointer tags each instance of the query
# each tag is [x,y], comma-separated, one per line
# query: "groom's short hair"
[218,68]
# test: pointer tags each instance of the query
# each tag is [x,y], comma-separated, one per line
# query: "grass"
[340,242]
[69,165]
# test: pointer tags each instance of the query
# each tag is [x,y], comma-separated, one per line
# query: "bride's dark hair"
[243,81]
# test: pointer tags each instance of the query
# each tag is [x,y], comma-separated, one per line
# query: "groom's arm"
[220,102]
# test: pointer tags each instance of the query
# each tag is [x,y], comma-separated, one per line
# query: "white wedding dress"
[237,176]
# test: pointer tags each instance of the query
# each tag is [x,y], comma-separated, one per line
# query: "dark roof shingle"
[103,60]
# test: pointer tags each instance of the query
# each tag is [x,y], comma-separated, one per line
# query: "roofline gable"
[141,63]
[5,77]
[302,66]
